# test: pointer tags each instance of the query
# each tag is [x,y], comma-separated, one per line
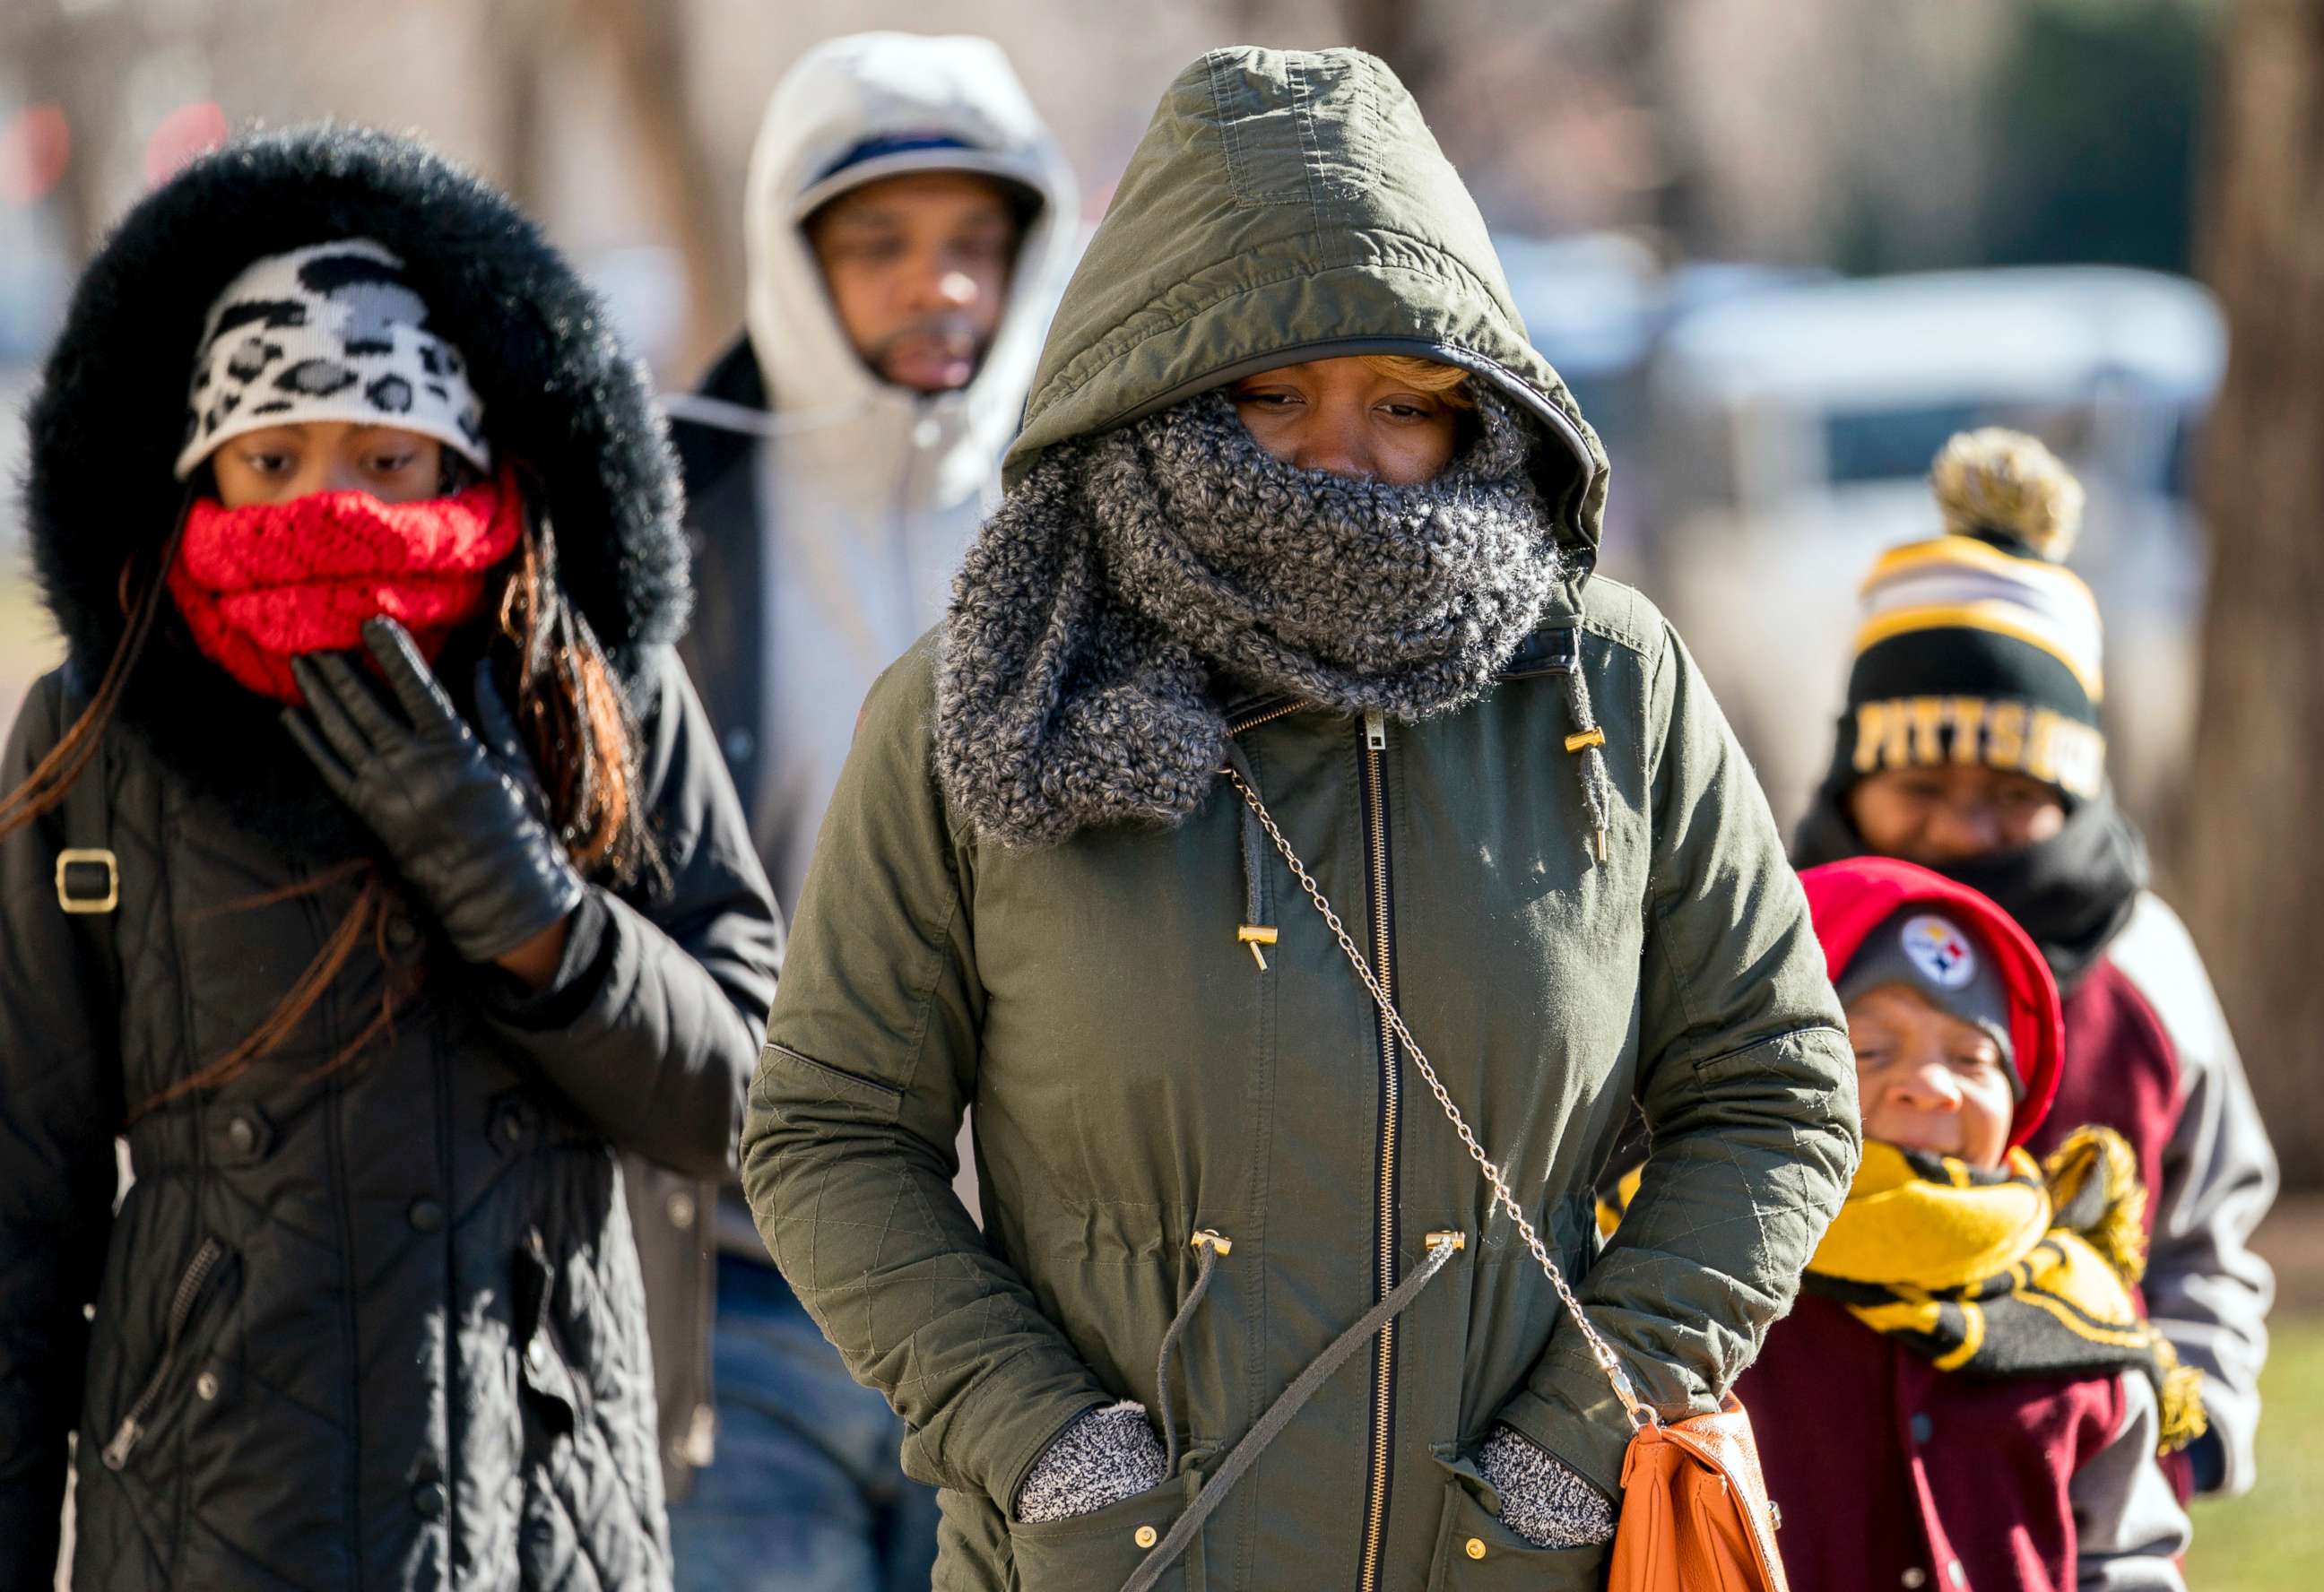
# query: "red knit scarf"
[260,584]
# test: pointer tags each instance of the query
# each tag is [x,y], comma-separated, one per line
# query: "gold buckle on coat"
[89,856]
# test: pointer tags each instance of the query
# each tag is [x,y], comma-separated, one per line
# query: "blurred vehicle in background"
[1790,433]
[1597,305]
[1592,303]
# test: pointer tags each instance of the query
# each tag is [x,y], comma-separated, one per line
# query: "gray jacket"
[2204,1285]
[2129,1530]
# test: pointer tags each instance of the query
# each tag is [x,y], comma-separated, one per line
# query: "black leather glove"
[463,820]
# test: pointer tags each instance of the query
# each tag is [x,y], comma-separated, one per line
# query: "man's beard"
[935,353]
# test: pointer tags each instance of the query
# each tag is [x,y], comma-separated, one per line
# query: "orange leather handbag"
[1695,1513]
[1695,1516]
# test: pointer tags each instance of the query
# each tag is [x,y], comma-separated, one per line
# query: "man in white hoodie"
[908,224]
[910,221]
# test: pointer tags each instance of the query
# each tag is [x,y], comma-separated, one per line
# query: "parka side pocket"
[1475,1552]
[189,1322]
[1097,1551]
[885,1100]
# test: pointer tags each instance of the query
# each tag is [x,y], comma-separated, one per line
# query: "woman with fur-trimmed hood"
[369,869]
[1294,559]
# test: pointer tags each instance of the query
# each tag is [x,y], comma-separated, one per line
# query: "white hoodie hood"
[869,492]
[840,96]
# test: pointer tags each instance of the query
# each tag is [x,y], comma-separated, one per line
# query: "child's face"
[1927,1079]
[285,462]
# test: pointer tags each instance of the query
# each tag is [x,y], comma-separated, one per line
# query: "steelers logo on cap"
[1939,952]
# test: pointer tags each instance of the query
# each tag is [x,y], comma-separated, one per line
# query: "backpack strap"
[89,870]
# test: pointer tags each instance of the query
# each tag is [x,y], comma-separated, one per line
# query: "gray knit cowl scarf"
[1127,570]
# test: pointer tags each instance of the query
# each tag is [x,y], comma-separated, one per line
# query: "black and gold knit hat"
[1978,646]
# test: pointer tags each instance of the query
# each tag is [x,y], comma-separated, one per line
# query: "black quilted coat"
[378,1328]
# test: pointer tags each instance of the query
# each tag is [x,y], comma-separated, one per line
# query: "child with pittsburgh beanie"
[1965,1396]
[1972,743]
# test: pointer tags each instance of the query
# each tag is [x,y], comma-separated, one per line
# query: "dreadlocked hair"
[580,728]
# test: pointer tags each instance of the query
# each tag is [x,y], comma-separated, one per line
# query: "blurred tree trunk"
[2249,862]
[1397,32]
[514,39]
[648,39]
[645,42]
[76,61]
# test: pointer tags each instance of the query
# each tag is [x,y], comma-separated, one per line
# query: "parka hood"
[1286,206]
[907,90]
[563,400]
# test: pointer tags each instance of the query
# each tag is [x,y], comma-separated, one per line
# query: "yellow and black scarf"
[2021,1269]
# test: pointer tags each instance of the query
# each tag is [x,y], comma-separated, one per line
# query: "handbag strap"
[1641,1414]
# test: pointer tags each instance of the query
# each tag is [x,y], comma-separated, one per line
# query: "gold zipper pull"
[1375,730]
[1255,935]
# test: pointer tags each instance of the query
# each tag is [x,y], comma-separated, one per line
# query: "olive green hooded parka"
[1137,1076]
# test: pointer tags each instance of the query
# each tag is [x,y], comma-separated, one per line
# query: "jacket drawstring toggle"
[1588,741]
[1258,926]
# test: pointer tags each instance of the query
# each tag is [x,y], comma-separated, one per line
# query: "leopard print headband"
[331,332]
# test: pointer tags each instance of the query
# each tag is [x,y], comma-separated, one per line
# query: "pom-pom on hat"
[2006,488]
[1979,647]
[329,332]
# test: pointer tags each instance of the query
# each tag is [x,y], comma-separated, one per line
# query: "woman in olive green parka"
[1247,529]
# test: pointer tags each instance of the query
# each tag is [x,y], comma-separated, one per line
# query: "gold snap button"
[1476,1547]
[1146,1536]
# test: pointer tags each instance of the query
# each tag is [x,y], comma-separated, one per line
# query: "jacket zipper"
[132,1430]
[1266,713]
[1384,1266]
[1374,746]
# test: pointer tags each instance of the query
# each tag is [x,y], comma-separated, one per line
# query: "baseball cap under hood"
[854,110]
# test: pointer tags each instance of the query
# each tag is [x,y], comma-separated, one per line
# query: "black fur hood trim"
[562,397]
